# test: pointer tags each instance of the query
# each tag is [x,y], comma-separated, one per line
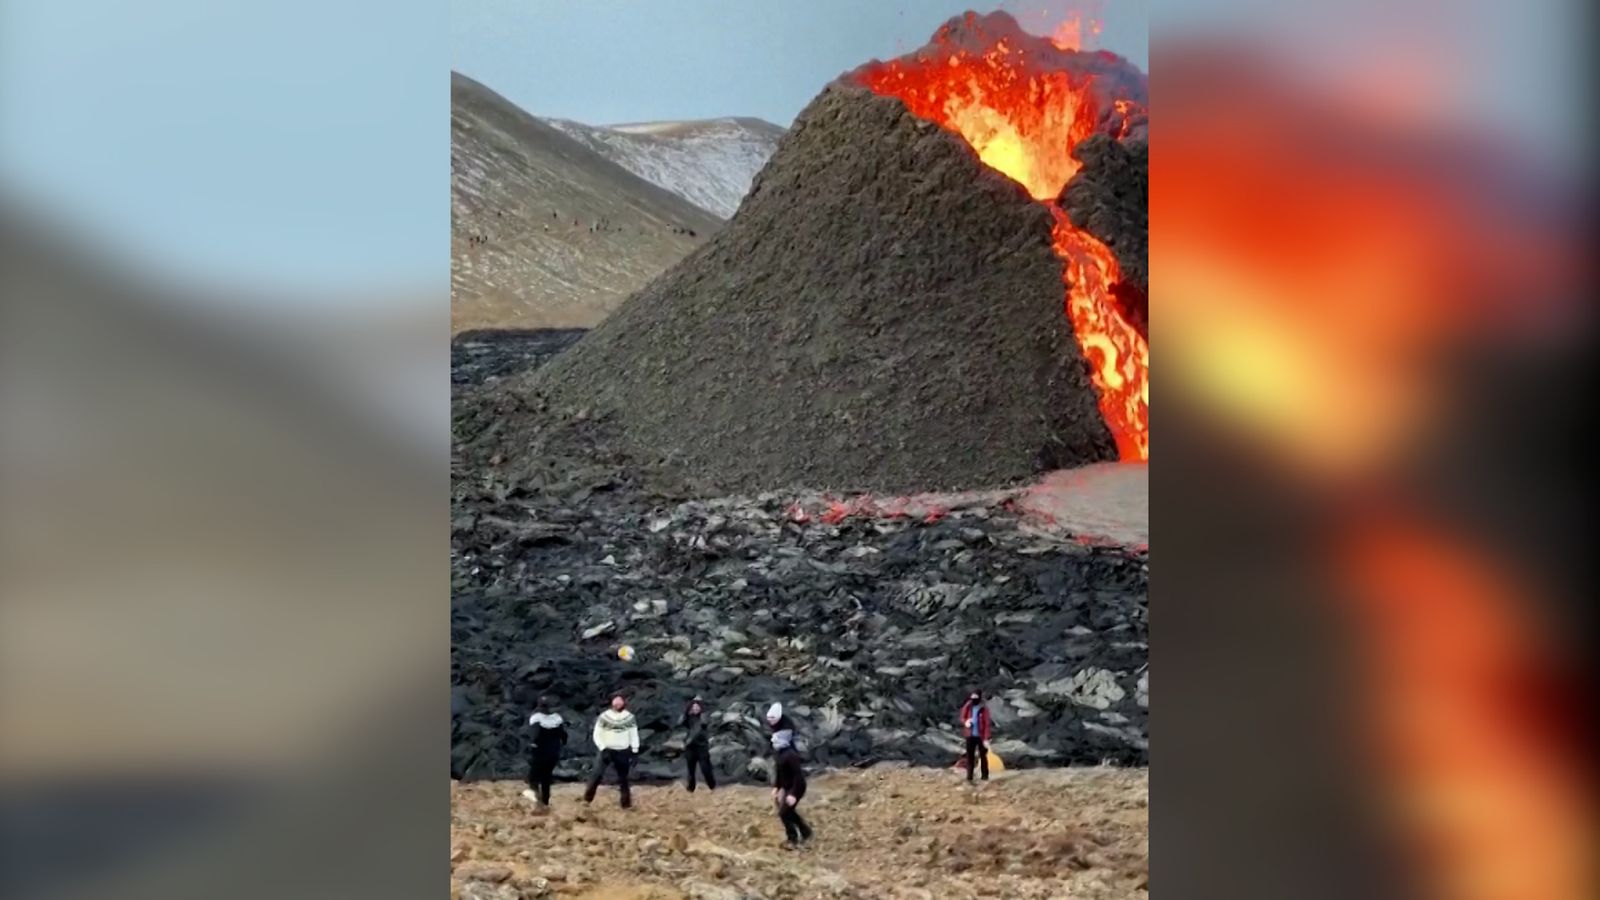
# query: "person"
[779,723]
[697,747]
[975,725]
[549,735]
[616,734]
[788,787]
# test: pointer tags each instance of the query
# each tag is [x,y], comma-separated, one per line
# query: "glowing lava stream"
[1024,123]
[1119,357]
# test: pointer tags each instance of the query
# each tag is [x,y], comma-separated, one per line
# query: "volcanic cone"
[1110,198]
[884,312]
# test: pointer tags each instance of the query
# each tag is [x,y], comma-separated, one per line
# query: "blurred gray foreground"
[222,575]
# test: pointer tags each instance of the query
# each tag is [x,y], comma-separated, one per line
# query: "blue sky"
[300,148]
[288,146]
[605,62]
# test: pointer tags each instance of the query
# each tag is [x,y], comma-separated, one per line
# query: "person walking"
[975,725]
[616,734]
[778,721]
[788,787]
[697,746]
[549,736]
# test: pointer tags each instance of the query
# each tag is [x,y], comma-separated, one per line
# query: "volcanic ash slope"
[1110,199]
[883,313]
[525,200]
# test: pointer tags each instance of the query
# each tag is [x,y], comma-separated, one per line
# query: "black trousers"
[794,827]
[619,760]
[700,755]
[542,771]
[977,754]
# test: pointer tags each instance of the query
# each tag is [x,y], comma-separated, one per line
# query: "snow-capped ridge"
[709,162]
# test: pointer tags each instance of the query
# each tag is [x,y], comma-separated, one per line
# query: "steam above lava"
[1023,103]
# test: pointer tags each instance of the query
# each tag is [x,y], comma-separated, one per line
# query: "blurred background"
[223,436]
[1371,295]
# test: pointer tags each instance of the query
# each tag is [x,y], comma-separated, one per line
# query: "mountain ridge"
[546,232]
[709,162]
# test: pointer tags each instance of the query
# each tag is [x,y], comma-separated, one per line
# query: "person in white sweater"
[616,734]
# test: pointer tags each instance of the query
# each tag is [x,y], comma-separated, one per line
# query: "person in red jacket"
[975,726]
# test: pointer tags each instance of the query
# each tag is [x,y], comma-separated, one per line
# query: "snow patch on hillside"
[708,162]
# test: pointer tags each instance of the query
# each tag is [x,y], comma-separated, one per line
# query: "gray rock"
[1025,709]
[701,890]
[483,890]
[877,647]
[1095,688]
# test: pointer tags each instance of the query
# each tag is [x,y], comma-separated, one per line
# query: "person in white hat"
[780,725]
[788,780]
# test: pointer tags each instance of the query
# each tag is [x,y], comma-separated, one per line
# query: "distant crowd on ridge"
[602,226]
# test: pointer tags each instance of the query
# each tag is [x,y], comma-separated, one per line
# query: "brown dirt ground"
[901,833]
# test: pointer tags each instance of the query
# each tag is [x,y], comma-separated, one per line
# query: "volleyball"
[625,653]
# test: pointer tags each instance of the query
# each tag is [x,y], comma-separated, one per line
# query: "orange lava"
[1023,118]
[1069,33]
[1119,357]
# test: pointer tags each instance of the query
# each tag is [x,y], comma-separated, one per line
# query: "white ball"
[625,653]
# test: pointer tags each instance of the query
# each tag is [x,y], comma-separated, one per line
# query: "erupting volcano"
[885,310]
[1024,103]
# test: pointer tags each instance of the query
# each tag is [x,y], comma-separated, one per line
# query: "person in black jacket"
[788,787]
[780,724]
[697,747]
[549,735]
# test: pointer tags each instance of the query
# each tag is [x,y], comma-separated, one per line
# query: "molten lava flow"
[1023,117]
[1022,123]
[1119,358]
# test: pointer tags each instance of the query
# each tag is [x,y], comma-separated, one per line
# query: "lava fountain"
[1023,103]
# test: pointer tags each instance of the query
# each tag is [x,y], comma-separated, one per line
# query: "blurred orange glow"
[1466,703]
[1312,262]
[1319,262]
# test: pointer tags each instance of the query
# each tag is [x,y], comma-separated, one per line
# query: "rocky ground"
[485,357]
[870,618]
[904,833]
